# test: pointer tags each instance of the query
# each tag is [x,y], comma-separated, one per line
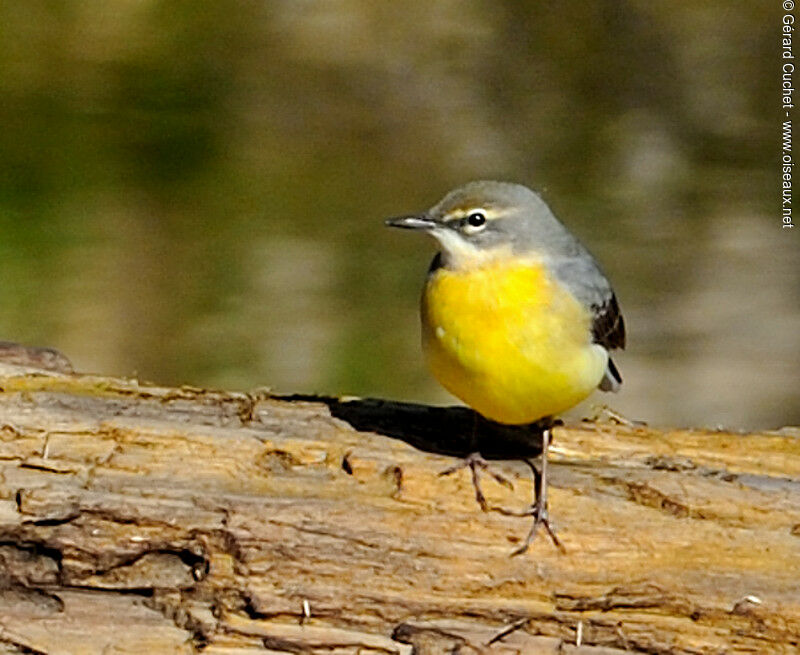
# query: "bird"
[518,319]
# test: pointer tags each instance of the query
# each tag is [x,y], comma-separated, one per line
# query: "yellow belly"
[509,341]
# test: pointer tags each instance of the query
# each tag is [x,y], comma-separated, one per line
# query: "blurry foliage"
[193,190]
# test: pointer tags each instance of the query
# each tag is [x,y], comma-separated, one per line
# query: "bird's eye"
[476,219]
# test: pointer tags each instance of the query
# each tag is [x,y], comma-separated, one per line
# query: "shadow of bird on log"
[453,431]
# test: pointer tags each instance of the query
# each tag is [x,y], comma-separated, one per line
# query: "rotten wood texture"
[142,519]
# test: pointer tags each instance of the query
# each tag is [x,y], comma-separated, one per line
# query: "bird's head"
[486,220]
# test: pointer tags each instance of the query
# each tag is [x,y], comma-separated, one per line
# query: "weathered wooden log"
[145,519]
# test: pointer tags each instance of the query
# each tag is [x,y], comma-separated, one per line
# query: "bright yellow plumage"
[508,340]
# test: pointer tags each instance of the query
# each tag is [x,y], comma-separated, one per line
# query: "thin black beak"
[415,222]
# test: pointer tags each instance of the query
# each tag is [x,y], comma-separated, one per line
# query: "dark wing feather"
[608,326]
[608,329]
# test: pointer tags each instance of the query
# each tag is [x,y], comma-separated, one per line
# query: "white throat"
[459,253]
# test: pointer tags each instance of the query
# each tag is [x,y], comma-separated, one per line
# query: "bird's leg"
[538,508]
[474,462]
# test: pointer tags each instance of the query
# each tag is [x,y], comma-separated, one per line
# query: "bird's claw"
[540,518]
[474,462]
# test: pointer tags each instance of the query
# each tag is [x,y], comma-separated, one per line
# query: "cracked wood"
[177,520]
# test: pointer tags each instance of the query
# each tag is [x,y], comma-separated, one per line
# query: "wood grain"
[144,519]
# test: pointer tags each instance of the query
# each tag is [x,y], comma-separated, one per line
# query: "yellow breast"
[509,341]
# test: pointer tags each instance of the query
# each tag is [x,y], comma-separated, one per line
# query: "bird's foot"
[476,462]
[540,518]
[538,508]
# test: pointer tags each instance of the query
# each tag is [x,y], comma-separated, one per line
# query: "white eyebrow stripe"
[491,213]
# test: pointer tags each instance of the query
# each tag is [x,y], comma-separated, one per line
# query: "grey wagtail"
[517,318]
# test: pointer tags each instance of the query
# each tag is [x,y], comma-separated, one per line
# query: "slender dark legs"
[476,462]
[538,508]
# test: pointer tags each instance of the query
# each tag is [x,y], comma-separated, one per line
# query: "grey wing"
[583,277]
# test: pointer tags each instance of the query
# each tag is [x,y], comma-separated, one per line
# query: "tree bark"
[143,519]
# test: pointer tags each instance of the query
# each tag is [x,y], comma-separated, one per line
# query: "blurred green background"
[193,192]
